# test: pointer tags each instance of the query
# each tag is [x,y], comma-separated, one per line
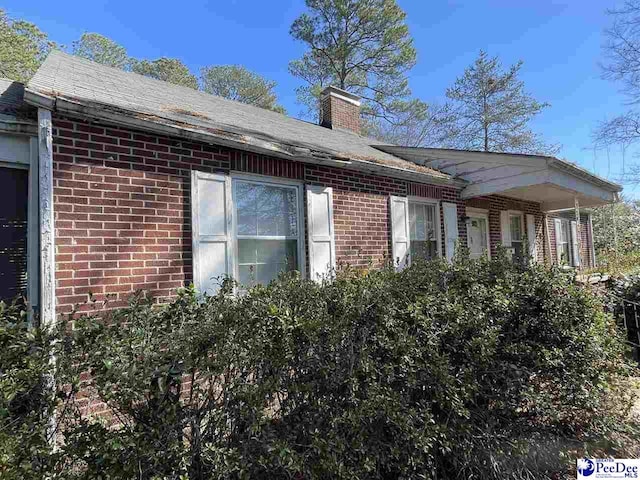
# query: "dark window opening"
[13,232]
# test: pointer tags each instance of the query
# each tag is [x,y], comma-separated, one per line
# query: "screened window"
[267,230]
[13,233]
[517,237]
[424,228]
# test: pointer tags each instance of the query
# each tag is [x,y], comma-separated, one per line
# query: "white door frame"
[472,212]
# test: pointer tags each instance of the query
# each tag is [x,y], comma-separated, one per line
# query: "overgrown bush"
[27,399]
[623,300]
[476,369]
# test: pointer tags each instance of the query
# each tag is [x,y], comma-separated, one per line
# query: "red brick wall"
[122,206]
[495,204]
[122,209]
[121,202]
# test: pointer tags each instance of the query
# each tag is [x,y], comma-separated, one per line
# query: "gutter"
[18,127]
[155,124]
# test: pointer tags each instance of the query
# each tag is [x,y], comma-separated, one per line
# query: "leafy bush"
[623,300]
[27,402]
[476,369]
[616,231]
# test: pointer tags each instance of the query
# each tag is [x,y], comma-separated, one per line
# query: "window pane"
[412,220]
[564,237]
[277,212]
[260,261]
[420,230]
[424,249]
[516,228]
[246,208]
[266,210]
[422,221]
[13,233]
[518,251]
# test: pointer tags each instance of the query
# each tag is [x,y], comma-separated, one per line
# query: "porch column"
[47,228]
[578,235]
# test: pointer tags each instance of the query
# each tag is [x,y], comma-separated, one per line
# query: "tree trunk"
[486,137]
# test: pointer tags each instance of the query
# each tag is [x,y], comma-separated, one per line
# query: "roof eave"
[229,139]
[585,175]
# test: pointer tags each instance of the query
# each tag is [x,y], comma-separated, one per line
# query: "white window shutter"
[399,207]
[531,236]
[322,245]
[450,214]
[211,230]
[505,231]
[558,228]
[574,244]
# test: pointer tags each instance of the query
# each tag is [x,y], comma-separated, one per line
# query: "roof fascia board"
[38,99]
[584,174]
[256,145]
[566,179]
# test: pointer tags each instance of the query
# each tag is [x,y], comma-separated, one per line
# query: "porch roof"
[552,182]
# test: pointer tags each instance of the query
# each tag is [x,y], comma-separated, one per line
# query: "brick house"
[130,183]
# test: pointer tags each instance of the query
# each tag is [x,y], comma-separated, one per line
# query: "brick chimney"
[339,110]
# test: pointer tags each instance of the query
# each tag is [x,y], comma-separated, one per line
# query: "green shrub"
[476,369]
[27,400]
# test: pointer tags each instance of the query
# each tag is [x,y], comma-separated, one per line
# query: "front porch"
[538,198]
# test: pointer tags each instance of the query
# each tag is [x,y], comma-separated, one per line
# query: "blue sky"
[558,40]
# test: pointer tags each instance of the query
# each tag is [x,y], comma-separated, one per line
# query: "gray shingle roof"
[88,83]
[12,101]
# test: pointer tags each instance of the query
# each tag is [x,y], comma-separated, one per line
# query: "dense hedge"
[27,400]
[478,369]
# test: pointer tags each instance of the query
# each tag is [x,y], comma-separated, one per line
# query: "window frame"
[438,217]
[567,223]
[523,226]
[301,227]
[11,159]
[472,212]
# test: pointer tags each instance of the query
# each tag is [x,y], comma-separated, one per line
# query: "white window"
[567,250]
[516,228]
[512,227]
[267,230]
[565,243]
[424,230]
[247,227]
